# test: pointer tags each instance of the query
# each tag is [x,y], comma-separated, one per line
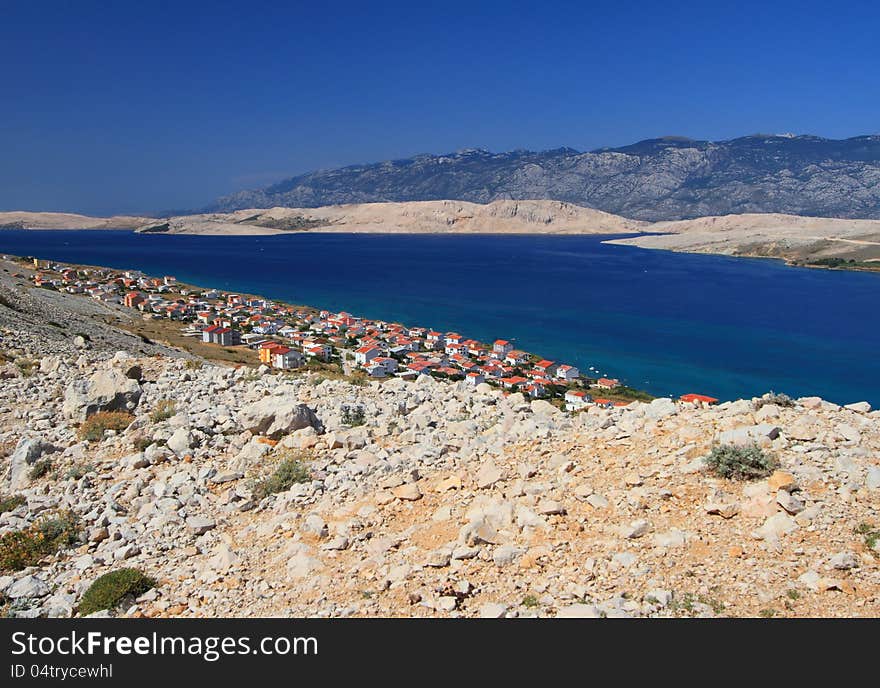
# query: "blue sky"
[148,106]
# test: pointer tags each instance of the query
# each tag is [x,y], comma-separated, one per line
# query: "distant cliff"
[659,179]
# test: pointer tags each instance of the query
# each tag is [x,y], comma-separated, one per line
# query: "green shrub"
[40,468]
[163,410]
[78,470]
[289,472]
[353,415]
[22,548]
[193,364]
[26,366]
[96,425]
[10,502]
[530,601]
[781,400]
[108,591]
[743,463]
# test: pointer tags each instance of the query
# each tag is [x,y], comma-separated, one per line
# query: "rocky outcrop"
[105,390]
[274,417]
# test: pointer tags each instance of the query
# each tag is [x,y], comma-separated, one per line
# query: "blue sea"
[669,323]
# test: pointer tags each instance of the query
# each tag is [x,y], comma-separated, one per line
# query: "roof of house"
[698,397]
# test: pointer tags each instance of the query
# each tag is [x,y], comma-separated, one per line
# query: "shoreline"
[632,238]
[515,376]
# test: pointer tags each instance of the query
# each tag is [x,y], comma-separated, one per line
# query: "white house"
[287,359]
[474,379]
[575,400]
[366,354]
[567,373]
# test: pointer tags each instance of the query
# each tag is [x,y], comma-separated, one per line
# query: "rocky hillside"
[239,492]
[659,179]
[446,217]
[21,219]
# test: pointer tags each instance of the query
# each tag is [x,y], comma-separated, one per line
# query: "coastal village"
[288,337]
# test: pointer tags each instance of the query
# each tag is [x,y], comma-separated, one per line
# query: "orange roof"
[698,397]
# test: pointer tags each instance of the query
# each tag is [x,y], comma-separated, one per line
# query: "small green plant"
[22,548]
[743,463]
[164,409]
[141,442]
[108,591]
[871,535]
[793,594]
[685,603]
[40,468]
[353,416]
[193,363]
[11,502]
[96,425]
[767,613]
[289,472]
[78,470]
[530,601]
[26,366]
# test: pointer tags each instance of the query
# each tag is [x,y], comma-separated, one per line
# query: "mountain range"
[670,178]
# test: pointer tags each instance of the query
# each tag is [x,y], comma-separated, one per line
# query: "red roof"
[698,397]
[544,364]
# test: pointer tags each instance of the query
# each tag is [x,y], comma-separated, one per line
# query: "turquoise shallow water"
[667,322]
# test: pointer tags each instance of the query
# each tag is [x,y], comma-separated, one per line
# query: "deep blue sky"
[137,107]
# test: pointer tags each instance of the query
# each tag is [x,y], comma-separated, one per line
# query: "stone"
[767,412]
[223,558]
[632,479]
[751,434]
[789,502]
[671,538]
[804,428]
[408,492]
[776,526]
[25,454]
[550,507]
[659,597]
[447,603]
[200,524]
[315,525]
[438,558]
[859,407]
[780,480]
[226,477]
[488,475]
[493,610]
[872,478]
[810,579]
[849,433]
[661,407]
[180,441]
[724,509]
[275,417]
[336,544]
[597,501]
[105,390]
[579,611]
[301,565]
[635,530]
[505,555]
[843,561]
[27,587]
[453,482]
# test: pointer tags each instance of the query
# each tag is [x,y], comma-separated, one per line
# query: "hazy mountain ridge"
[668,178]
